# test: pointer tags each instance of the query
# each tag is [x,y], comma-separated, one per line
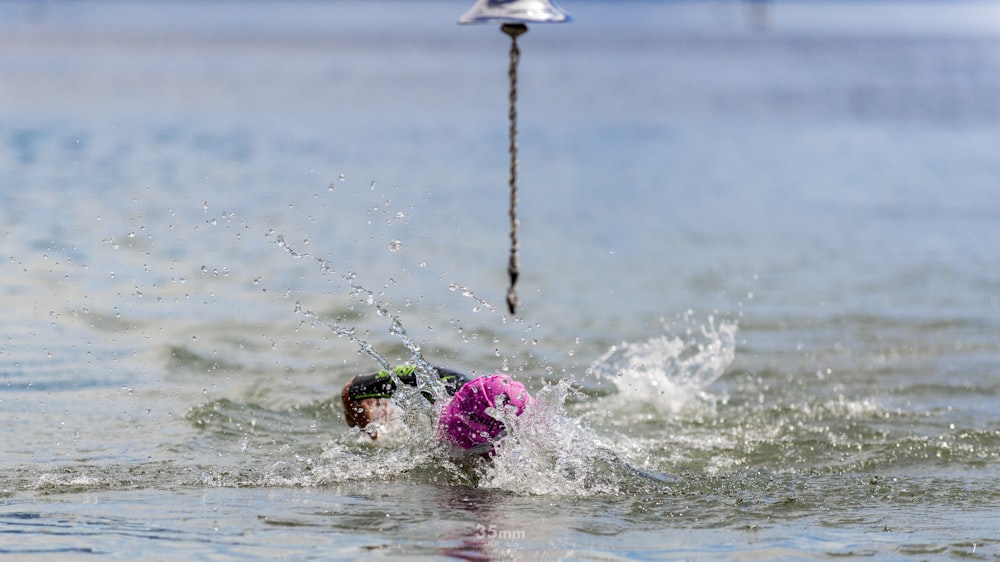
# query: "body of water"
[760,293]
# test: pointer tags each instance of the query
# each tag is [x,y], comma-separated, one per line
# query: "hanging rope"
[514,265]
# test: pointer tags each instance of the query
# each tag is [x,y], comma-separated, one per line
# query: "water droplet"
[395,245]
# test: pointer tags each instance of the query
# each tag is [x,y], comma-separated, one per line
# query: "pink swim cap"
[464,420]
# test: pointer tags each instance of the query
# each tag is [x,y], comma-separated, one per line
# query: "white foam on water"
[50,481]
[667,375]
[547,450]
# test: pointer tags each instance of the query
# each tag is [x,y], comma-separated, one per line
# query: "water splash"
[668,374]
[547,452]
[467,293]
[427,381]
[408,441]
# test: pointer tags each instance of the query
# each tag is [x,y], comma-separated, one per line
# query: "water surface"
[761,311]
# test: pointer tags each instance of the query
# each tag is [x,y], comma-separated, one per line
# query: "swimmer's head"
[465,420]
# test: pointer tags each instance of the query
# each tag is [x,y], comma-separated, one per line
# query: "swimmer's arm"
[407,374]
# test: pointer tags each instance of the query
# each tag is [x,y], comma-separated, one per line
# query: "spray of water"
[545,451]
[548,451]
[669,374]
[427,382]
[559,446]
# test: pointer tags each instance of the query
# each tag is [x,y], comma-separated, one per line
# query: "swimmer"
[465,421]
